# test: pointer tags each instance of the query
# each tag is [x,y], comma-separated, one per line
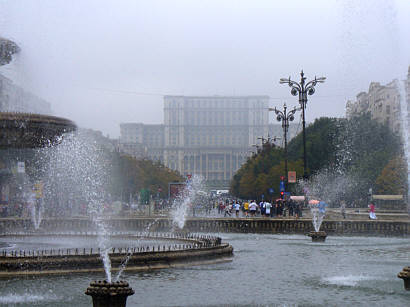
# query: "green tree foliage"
[393,178]
[130,176]
[321,143]
[262,172]
[358,148]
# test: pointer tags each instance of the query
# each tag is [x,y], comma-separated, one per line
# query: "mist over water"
[186,201]
[101,63]
[404,112]
[75,177]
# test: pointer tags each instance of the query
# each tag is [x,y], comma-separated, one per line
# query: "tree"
[393,178]
[353,152]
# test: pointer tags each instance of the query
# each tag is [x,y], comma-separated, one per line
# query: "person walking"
[343,208]
[268,207]
[291,206]
[246,208]
[297,209]
[227,210]
[372,212]
[237,208]
[253,206]
[262,208]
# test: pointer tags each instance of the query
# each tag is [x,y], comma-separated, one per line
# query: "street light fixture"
[285,117]
[303,89]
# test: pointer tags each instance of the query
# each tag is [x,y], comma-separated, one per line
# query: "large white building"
[212,136]
[142,141]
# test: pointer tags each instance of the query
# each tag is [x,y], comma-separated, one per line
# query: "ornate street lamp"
[285,117]
[303,89]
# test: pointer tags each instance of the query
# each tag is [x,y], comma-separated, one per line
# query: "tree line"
[353,155]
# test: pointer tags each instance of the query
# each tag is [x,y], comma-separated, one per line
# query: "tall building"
[212,136]
[142,141]
[382,102]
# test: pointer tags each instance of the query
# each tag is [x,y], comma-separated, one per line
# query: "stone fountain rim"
[34,117]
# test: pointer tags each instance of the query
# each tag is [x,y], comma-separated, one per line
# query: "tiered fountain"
[19,130]
[74,160]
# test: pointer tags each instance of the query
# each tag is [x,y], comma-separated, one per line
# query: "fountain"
[317,208]
[182,203]
[404,112]
[19,130]
[74,165]
[109,294]
[405,275]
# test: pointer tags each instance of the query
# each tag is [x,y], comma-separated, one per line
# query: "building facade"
[383,102]
[210,136]
[14,99]
[142,141]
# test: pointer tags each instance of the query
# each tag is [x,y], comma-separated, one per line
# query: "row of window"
[218,103]
[218,118]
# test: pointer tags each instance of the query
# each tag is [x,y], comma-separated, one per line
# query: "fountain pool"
[267,270]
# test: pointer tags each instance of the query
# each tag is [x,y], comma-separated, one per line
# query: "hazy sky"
[104,62]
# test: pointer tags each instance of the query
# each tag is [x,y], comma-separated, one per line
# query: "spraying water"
[74,177]
[185,201]
[404,113]
[36,211]
[129,254]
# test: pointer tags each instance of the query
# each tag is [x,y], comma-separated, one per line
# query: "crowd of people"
[250,208]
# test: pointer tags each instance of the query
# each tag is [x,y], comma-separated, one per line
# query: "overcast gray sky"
[103,62]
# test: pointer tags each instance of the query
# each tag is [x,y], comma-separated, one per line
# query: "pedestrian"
[246,208]
[237,207]
[262,207]
[279,207]
[343,208]
[291,206]
[221,208]
[297,209]
[322,208]
[227,211]
[253,207]
[372,212]
[268,207]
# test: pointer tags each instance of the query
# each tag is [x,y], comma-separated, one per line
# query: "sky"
[101,63]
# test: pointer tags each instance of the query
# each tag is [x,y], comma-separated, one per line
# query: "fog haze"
[102,62]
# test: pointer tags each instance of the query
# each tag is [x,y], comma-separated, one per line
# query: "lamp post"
[285,117]
[303,89]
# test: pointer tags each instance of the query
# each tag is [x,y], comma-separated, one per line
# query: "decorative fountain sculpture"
[107,294]
[405,275]
[29,131]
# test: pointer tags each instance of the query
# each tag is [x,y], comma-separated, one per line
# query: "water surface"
[266,270]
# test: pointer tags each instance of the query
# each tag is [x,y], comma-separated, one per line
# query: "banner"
[292,177]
